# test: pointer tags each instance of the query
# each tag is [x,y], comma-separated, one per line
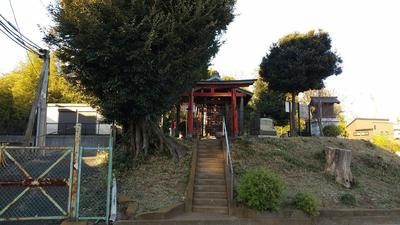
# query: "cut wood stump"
[338,164]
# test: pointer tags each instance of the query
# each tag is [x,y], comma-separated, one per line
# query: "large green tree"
[138,57]
[299,62]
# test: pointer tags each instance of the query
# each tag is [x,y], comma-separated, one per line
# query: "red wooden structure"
[209,100]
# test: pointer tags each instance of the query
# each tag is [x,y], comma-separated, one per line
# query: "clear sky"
[366,33]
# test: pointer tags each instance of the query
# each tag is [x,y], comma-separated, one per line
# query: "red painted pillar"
[190,114]
[235,126]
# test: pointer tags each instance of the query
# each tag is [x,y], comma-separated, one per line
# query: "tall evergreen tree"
[138,57]
[299,62]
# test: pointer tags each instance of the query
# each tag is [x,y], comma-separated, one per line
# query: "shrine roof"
[316,100]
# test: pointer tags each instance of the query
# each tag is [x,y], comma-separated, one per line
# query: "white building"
[62,117]
[396,131]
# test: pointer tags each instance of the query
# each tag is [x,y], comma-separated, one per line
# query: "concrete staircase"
[210,194]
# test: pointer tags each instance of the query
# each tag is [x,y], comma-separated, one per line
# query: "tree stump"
[338,164]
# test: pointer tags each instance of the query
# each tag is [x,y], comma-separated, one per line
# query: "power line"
[15,31]
[19,31]
[15,40]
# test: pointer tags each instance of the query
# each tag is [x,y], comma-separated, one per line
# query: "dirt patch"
[157,183]
[300,162]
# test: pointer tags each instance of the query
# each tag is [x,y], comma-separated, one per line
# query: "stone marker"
[267,127]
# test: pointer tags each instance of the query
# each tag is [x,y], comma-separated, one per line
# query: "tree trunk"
[146,133]
[293,116]
[338,164]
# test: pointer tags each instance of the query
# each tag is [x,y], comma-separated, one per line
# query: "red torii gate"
[217,88]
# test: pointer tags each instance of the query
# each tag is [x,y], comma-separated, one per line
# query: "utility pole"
[39,106]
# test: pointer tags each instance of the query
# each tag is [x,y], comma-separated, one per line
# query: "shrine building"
[211,100]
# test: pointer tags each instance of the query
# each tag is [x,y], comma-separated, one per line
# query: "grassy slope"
[157,183]
[300,161]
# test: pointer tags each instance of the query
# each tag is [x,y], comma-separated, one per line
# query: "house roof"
[370,119]
[316,100]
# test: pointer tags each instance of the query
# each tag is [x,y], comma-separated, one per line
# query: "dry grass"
[300,161]
[157,183]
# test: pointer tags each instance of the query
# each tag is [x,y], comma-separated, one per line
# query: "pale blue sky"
[365,33]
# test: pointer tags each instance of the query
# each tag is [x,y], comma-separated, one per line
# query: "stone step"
[209,209]
[209,188]
[210,202]
[210,152]
[219,195]
[204,175]
[210,160]
[210,181]
[210,164]
[211,170]
[210,155]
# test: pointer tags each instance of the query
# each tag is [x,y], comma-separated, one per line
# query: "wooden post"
[190,114]
[241,116]
[298,118]
[234,114]
[73,211]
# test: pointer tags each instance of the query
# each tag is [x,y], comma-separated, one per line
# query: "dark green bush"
[261,189]
[331,131]
[348,199]
[307,203]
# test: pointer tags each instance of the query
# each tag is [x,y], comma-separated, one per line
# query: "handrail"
[228,160]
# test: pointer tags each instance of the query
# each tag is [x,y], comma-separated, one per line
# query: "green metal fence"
[94,183]
[52,183]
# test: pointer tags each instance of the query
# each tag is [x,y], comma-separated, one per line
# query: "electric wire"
[16,41]
[6,30]
[19,31]
[33,44]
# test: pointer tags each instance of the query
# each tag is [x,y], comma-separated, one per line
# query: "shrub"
[331,131]
[307,203]
[348,199]
[386,143]
[261,189]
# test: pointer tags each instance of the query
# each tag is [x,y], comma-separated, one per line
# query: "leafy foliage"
[386,143]
[269,103]
[348,199]
[307,203]
[299,62]
[138,57]
[261,189]
[331,130]
[17,90]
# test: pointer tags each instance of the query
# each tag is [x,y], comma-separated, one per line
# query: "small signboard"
[303,111]
[287,106]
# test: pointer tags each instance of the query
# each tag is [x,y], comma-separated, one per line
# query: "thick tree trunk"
[338,164]
[292,116]
[146,133]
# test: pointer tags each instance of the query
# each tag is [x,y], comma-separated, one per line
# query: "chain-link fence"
[34,183]
[94,182]
[42,183]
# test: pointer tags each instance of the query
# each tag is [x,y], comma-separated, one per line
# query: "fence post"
[109,178]
[74,188]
